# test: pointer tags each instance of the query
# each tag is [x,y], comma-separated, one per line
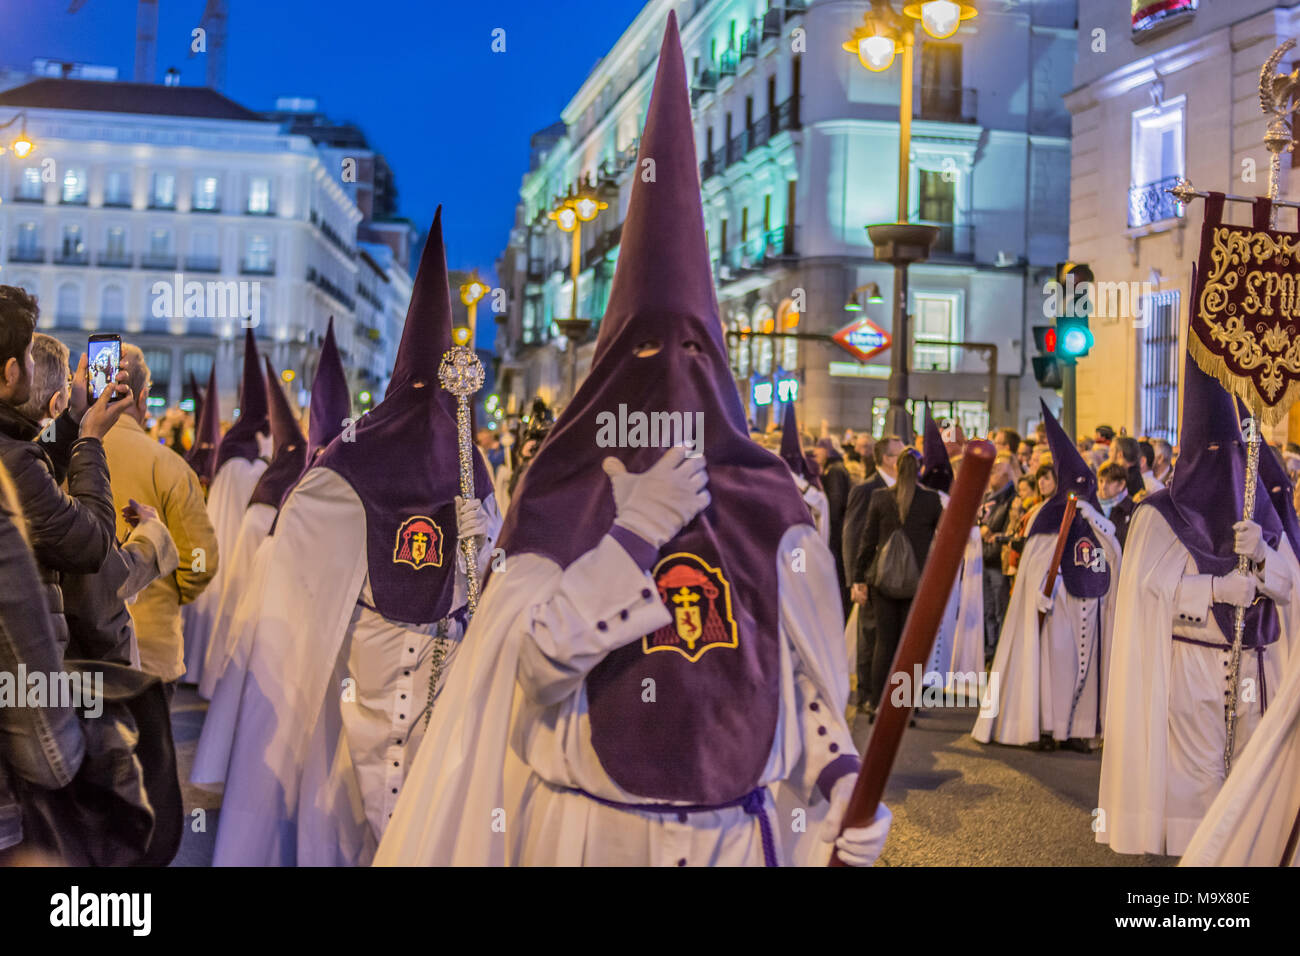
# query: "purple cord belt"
[753,803]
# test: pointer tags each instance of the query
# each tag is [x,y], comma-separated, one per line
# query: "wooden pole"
[937,578]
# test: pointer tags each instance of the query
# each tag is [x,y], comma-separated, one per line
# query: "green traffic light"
[1075,340]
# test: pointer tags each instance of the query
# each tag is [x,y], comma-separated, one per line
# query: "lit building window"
[937,319]
[160,242]
[1157,161]
[259,195]
[258,253]
[1160,360]
[27,238]
[74,245]
[164,191]
[117,188]
[205,193]
[31,186]
[74,185]
[115,243]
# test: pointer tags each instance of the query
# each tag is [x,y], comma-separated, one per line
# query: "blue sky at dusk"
[418,76]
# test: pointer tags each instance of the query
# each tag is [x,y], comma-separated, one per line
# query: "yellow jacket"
[141,468]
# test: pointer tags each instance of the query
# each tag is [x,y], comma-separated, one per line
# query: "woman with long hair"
[915,510]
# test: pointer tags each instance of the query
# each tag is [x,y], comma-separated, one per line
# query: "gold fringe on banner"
[1244,388]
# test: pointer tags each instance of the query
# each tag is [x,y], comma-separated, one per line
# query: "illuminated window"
[74,186]
[205,193]
[259,195]
[164,191]
[31,186]
[936,319]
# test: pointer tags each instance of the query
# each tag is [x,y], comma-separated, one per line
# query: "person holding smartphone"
[72,531]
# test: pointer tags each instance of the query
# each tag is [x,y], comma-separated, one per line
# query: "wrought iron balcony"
[72,257]
[795,7]
[772,24]
[153,260]
[117,202]
[751,39]
[947,104]
[27,254]
[737,148]
[1151,202]
[728,62]
[114,260]
[21,197]
[203,263]
[257,267]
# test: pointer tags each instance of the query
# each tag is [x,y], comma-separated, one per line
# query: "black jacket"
[836,484]
[42,747]
[994,513]
[882,521]
[1120,516]
[69,532]
[855,520]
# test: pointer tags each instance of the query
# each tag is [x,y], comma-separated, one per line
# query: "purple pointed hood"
[1281,493]
[198,398]
[331,402]
[241,440]
[936,469]
[202,456]
[712,740]
[289,454]
[792,449]
[402,460]
[1081,576]
[1203,504]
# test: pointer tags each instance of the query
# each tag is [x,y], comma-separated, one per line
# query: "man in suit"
[993,518]
[885,457]
[1112,494]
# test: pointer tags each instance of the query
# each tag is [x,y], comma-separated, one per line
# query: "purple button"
[645,593]
[835,748]
[821,731]
[682,861]
[602,626]
[814,706]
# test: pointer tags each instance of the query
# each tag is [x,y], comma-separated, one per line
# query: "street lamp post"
[470,292]
[884,34]
[570,212]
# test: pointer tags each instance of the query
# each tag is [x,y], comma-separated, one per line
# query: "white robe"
[1051,681]
[331,708]
[817,504]
[227,501]
[1250,820]
[1163,761]
[491,783]
[959,644]
[253,529]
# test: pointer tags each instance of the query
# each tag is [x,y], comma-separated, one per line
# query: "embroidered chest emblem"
[699,598]
[419,543]
[1088,555]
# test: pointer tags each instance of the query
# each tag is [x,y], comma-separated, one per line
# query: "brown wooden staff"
[1049,583]
[931,600]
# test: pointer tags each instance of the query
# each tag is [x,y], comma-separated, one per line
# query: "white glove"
[857,846]
[1248,539]
[1235,589]
[1045,601]
[657,503]
[471,519]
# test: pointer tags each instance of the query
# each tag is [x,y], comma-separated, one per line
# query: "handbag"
[894,573]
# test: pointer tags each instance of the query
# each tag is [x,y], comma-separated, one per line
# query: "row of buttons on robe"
[646,594]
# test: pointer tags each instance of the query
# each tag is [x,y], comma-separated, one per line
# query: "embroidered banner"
[1245,312]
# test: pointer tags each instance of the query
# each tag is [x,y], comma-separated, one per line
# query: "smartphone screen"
[104,356]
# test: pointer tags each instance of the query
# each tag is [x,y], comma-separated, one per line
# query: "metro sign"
[862,339]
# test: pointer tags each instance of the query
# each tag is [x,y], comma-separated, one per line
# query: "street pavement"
[955,802]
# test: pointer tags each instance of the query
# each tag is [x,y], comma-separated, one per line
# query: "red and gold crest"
[419,543]
[699,598]
[1088,555]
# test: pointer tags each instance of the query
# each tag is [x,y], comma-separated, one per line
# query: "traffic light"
[1047,366]
[1075,285]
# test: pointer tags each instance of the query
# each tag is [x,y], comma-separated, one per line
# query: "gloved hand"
[471,519]
[1248,539]
[857,846]
[657,503]
[1235,589]
[1045,601]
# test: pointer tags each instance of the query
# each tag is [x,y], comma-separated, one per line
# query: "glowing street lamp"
[471,291]
[22,146]
[940,18]
[569,214]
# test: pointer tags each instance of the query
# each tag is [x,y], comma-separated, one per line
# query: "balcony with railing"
[37,198]
[27,254]
[256,266]
[783,119]
[114,260]
[728,63]
[203,263]
[706,82]
[72,256]
[947,104]
[158,260]
[955,242]
[755,255]
[1151,202]
[795,7]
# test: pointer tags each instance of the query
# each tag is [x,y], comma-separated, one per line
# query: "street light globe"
[566,219]
[22,147]
[586,208]
[876,53]
[940,18]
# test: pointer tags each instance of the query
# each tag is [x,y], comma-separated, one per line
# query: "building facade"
[175,218]
[1162,92]
[798,151]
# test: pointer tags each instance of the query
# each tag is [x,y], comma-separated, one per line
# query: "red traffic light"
[1049,341]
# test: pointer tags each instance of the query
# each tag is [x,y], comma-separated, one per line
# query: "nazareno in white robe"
[1250,820]
[1162,765]
[227,661]
[228,496]
[253,529]
[330,712]
[959,645]
[511,733]
[1051,682]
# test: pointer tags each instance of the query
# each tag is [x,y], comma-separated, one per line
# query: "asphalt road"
[955,802]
